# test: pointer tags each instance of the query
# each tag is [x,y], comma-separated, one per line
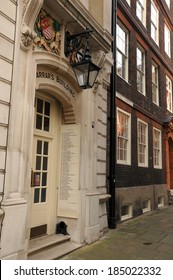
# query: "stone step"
[51,247]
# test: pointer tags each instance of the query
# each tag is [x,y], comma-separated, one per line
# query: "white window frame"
[142,130]
[124,54]
[167,40]
[169,100]
[160,201]
[128,1]
[168,3]
[155,83]
[155,23]
[123,138]
[141,70]
[129,212]
[141,11]
[157,149]
[146,205]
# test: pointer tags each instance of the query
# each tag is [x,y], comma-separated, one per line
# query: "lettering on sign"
[57,79]
[69,176]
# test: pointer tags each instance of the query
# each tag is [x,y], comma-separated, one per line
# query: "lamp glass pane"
[81,72]
[86,73]
[92,77]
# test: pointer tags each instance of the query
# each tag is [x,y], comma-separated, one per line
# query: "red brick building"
[144,106]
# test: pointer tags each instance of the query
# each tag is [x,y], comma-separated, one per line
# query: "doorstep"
[50,247]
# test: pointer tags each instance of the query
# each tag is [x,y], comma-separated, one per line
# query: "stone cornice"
[84,19]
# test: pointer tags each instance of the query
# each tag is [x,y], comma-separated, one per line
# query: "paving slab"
[147,237]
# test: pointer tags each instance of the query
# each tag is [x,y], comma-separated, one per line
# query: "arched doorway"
[55,101]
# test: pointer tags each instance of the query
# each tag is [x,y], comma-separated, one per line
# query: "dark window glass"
[45,160]
[43,195]
[45,152]
[47,109]
[39,106]
[46,124]
[44,179]
[39,122]
[36,195]
[38,163]
[39,147]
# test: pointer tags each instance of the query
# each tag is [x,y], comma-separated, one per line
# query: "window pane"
[157,148]
[123,137]
[39,122]
[122,52]
[45,162]
[44,179]
[39,105]
[46,124]
[47,109]
[38,163]
[43,195]
[45,152]
[36,195]
[167,40]
[39,147]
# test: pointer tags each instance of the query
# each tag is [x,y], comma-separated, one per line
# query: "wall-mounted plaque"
[69,175]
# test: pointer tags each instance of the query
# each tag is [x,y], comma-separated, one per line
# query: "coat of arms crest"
[48,33]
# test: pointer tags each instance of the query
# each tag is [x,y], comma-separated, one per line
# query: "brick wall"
[143,107]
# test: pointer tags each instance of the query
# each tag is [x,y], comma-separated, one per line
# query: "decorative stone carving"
[30,13]
[98,57]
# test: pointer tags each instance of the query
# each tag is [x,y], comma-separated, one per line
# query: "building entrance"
[44,167]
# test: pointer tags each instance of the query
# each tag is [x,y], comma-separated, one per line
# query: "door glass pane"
[37,179]
[36,195]
[43,195]
[38,163]
[39,147]
[44,179]
[45,160]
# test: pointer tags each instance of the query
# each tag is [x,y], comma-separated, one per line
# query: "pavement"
[147,237]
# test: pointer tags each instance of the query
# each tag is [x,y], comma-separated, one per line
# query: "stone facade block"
[5,70]
[3,138]
[7,27]
[6,49]
[5,91]
[4,109]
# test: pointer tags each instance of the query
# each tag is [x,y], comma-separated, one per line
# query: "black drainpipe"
[112,151]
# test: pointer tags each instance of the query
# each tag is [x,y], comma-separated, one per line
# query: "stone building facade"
[52,133]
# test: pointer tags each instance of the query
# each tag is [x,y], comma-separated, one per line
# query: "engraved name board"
[69,176]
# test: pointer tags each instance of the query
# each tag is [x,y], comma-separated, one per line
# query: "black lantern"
[80,59]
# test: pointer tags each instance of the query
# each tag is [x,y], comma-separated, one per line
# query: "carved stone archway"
[30,13]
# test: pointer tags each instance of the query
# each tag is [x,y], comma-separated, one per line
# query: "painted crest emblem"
[47,28]
[48,33]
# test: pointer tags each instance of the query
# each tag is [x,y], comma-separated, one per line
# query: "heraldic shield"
[48,33]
